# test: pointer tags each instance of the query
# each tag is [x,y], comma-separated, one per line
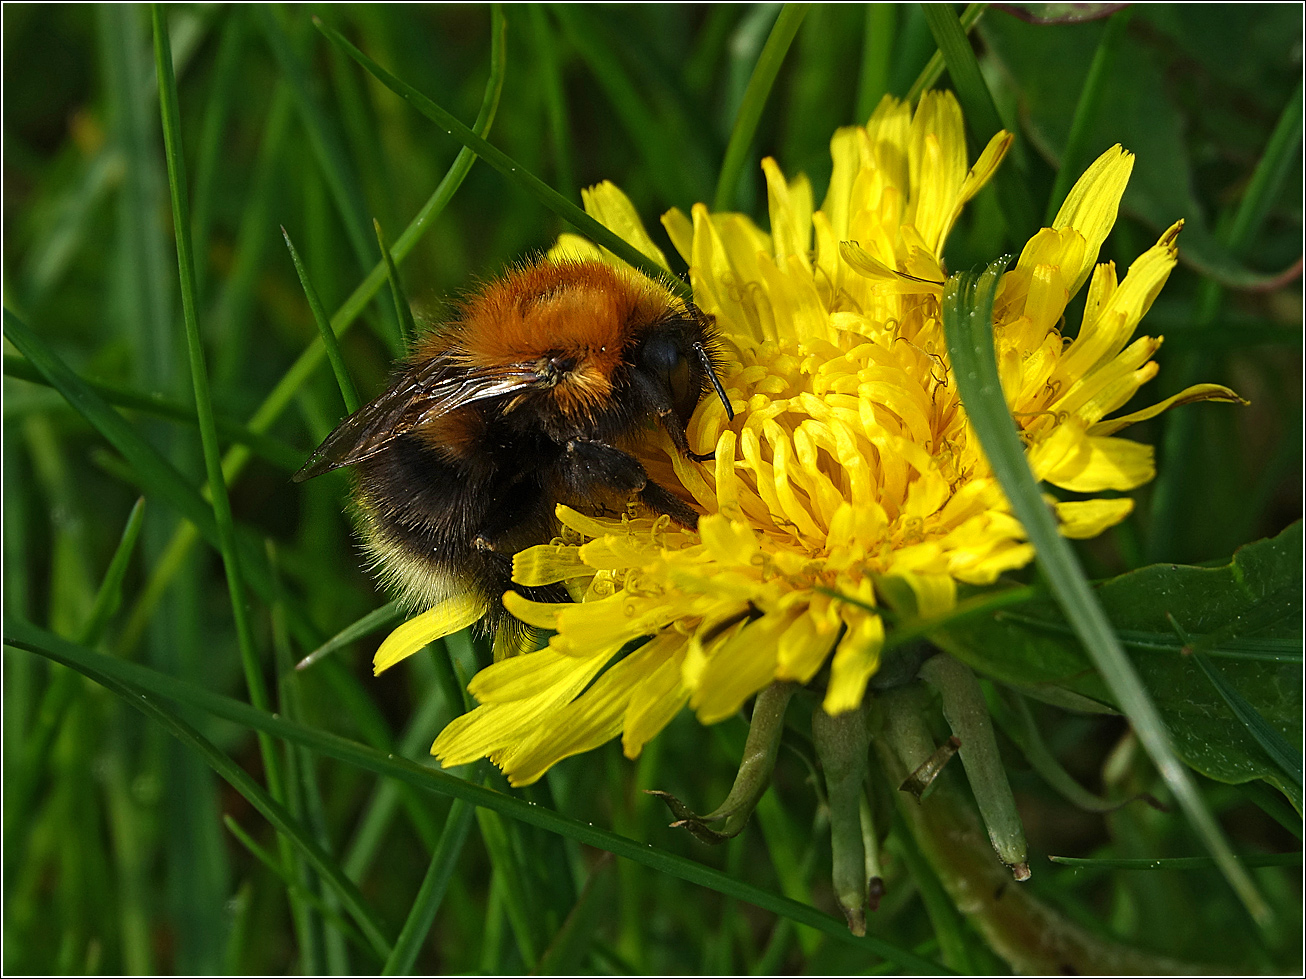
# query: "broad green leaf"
[1249,614]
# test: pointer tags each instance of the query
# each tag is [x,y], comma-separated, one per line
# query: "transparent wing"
[420,394]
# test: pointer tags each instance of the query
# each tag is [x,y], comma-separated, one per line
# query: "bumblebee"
[529,397]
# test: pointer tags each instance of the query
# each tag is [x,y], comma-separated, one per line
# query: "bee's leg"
[586,465]
[678,438]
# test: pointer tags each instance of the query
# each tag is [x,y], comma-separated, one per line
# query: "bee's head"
[673,366]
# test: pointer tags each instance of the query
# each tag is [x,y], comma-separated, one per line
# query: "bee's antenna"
[716,381]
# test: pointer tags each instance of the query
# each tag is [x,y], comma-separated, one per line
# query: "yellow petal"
[1085,463]
[446,618]
[1189,395]
[1092,205]
[1082,519]
[857,657]
[657,699]
[596,716]
[541,615]
[529,689]
[546,564]
[607,204]
[739,668]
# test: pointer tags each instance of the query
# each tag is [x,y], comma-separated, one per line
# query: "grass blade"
[877,58]
[273,811]
[755,96]
[109,595]
[330,341]
[376,619]
[1179,446]
[1177,863]
[510,168]
[1280,752]
[226,530]
[1074,158]
[407,330]
[24,635]
[663,135]
[330,154]
[933,69]
[270,862]
[266,447]
[431,893]
[555,101]
[968,325]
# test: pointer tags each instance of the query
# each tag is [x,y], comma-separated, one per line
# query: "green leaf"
[1247,617]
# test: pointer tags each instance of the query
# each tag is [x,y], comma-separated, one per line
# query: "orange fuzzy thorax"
[585,314]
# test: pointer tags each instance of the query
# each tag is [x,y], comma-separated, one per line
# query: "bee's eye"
[664,360]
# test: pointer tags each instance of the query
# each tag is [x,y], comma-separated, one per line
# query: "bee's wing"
[417,396]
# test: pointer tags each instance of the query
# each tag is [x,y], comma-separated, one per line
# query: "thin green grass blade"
[431,893]
[225,524]
[519,894]
[153,470]
[982,116]
[496,158]
[1013,715]
[226,72]
[376,619]
[933,69]
[755,96]
[968,326]
[300,787]
[302,369]
[555,102]
[661,134]
[58,697]
[341,180]
[266,447]
[329,339]
[229,325]
[1177,863]
[109,595]
[270,862]
[384,803]
[1075,158]
[24,635]
[199,374]
[273,811]
[567,948]
[51,256]
[407,330]
[1271,171]
[877,59]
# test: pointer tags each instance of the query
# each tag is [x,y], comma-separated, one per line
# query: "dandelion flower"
[849,468]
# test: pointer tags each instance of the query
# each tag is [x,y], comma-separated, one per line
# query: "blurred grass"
[116,857]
